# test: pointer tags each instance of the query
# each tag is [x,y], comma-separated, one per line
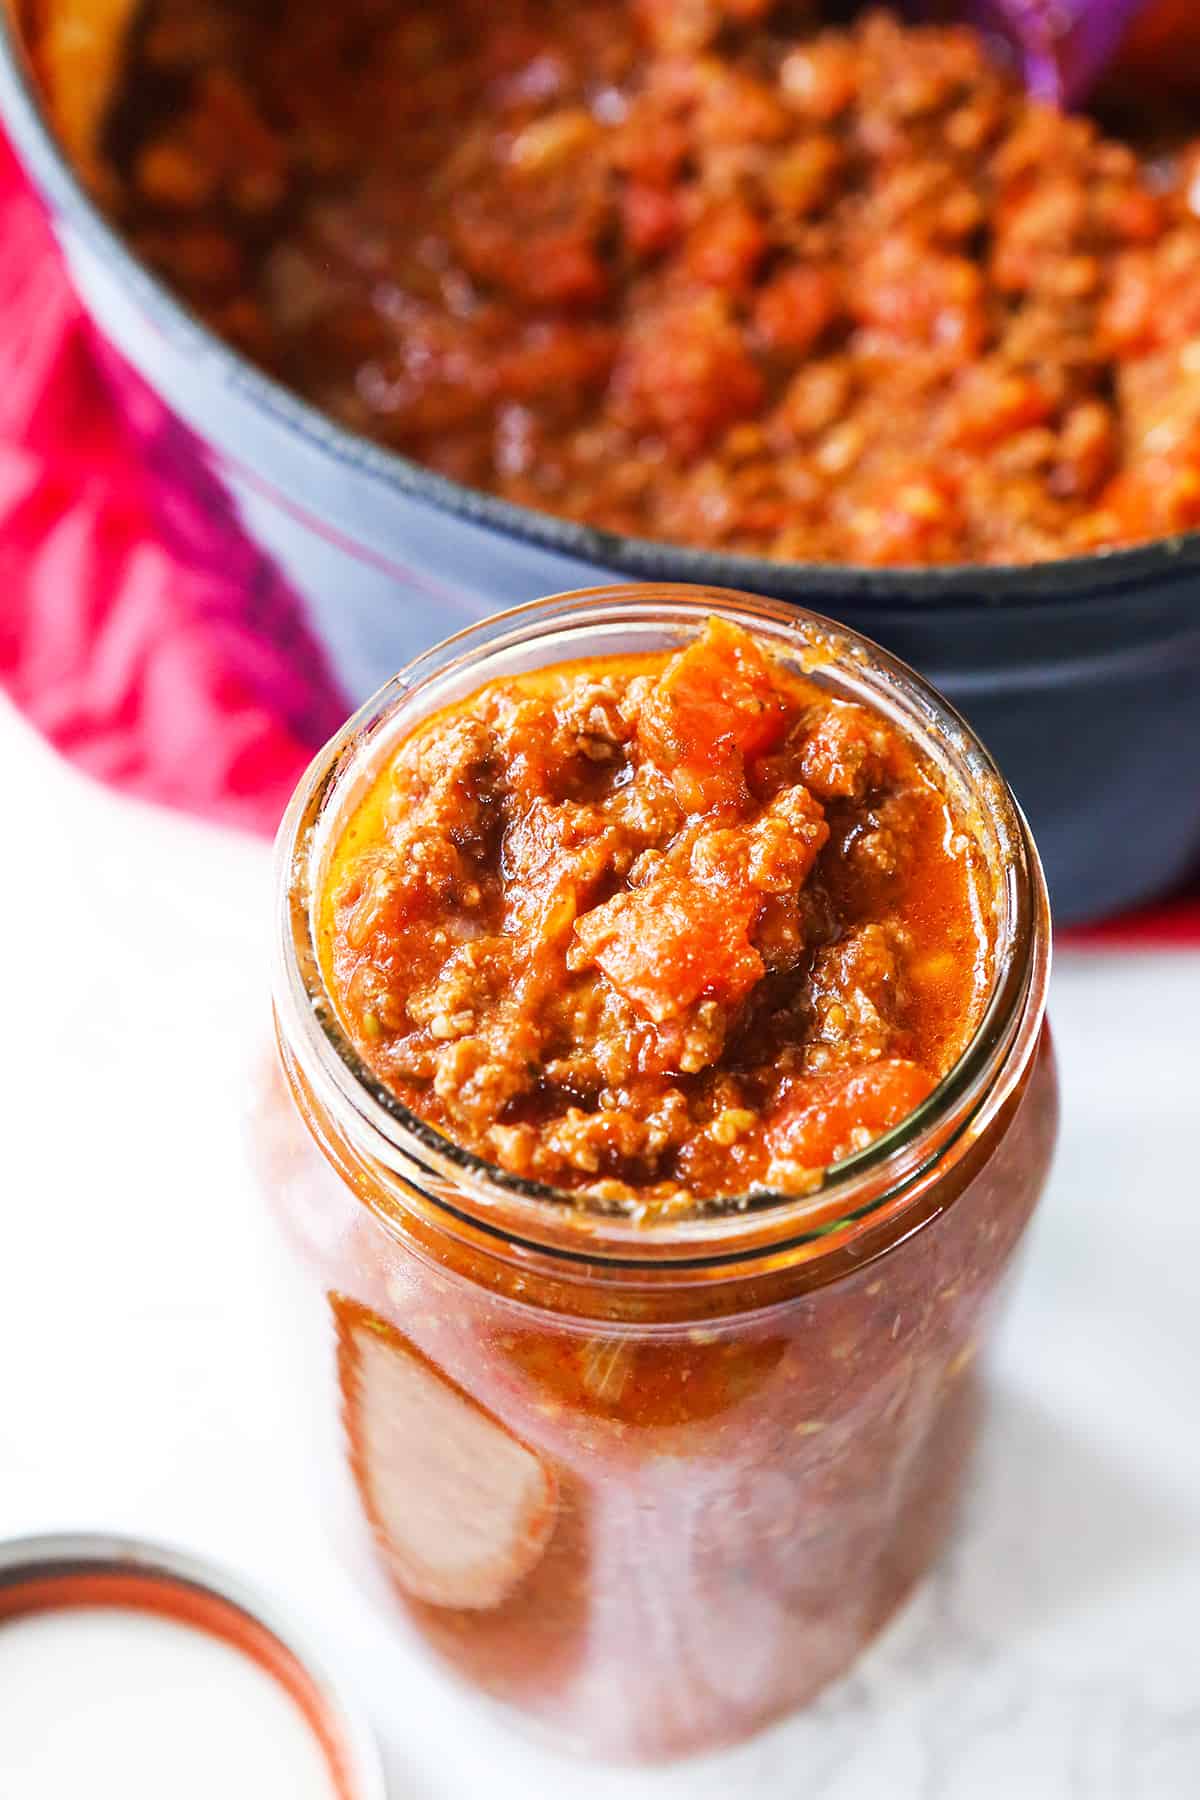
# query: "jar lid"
[129,1667]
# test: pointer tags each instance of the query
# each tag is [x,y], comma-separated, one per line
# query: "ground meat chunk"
[845,753]
[854,994]
[477,1076]
[661,924]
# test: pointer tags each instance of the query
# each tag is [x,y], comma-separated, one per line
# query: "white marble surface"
[1053,1657]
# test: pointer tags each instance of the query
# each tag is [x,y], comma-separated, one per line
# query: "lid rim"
[76,1560]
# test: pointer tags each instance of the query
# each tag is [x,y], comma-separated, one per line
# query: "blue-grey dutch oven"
[1083,676]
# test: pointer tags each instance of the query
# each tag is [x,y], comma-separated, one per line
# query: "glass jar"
[651,1484]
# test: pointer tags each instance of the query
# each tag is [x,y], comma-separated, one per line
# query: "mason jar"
[653,1482]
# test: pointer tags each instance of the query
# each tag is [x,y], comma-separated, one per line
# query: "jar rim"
[574,1225]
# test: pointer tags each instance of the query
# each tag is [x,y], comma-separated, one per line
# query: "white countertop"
[1054,1656]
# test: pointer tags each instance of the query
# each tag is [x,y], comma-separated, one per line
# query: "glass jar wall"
[650,1483]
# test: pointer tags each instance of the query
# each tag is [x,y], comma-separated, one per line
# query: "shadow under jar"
[650,1477]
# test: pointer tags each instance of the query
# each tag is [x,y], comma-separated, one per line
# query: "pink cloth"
[140,630]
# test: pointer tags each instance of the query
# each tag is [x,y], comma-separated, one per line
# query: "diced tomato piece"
[794,309]
[1157,495]
[546,252]
[716,704]
[563,270]
[555,357]
[820,1119]
[652,216]
[671,943]
[993,403]
[1134,216]
[653,144]
[725,247]
[686,374]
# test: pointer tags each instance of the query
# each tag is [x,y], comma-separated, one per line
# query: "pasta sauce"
[720,272]
[671,927]
[668,1011]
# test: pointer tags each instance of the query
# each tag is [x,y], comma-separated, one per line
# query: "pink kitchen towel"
[175,664]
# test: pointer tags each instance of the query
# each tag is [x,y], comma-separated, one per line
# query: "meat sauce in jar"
[659,928]
[709,271]
[654,1345]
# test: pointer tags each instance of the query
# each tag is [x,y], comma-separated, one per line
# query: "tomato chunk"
[796,308]
[820,1120]
[1158,494]
[715,706]
[725,247]
[685,373]
[671,943]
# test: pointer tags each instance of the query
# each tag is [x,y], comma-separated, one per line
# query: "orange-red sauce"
[662,928]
